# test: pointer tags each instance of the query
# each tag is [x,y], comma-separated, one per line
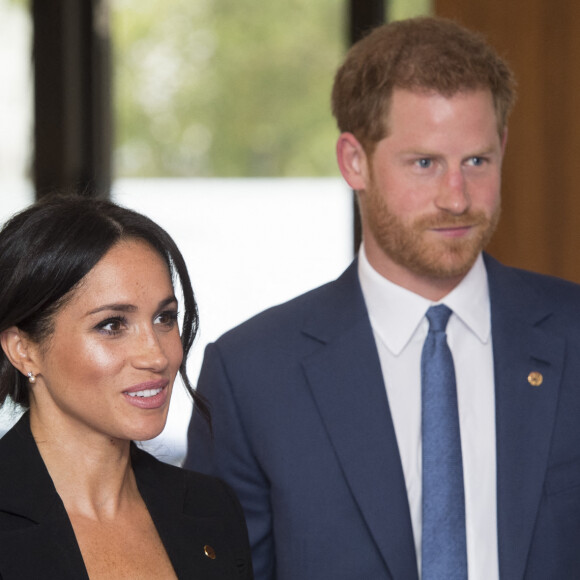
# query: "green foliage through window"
[225,87]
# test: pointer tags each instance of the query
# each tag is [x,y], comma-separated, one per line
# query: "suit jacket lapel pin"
[535,378]
[209,552]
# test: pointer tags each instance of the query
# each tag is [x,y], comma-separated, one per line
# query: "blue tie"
[444,553]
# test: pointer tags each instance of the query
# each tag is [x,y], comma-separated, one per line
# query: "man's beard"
[440,259]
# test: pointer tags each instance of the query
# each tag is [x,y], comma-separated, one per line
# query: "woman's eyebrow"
[121,307]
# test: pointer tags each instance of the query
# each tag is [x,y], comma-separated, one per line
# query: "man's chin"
[448,266]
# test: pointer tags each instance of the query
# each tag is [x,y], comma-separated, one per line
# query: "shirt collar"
[396,313]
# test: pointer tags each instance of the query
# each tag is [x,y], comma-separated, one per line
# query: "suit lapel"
[346,381]
[525,412]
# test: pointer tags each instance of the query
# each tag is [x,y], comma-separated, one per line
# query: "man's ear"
[352,161]
[19,349]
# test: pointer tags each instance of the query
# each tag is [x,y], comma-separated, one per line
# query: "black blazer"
[193,514]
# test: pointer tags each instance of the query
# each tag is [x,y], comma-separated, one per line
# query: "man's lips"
[454,231]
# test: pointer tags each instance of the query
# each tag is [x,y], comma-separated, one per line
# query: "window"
[15,122]
[225,137]
[15,106]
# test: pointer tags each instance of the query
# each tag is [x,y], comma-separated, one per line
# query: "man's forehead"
[406,104]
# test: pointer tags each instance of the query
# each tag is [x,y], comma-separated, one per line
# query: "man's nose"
[453,196]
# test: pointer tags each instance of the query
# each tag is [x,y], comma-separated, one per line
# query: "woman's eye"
[111,326]
[167,318]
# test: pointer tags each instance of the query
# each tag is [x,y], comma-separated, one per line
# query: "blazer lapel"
[184,536]
[346,381]
[32,515]
[525,409]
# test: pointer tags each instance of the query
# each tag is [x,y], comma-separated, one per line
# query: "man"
[322,407]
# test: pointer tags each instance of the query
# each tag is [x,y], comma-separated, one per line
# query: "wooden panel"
[540,226]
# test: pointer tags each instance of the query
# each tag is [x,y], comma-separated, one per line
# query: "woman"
[91,348]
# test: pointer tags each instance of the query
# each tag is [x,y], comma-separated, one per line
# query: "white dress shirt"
[399,325]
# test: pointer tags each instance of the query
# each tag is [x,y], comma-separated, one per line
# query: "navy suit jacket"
[303,432]
[189,510]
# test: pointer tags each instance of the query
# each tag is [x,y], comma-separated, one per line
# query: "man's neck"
[431,288]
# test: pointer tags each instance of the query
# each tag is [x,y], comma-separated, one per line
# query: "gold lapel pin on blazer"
[535,378]
[209,552]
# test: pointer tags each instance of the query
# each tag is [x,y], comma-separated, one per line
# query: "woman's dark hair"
[45,252]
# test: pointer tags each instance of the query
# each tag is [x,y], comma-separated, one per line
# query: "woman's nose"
[149,352]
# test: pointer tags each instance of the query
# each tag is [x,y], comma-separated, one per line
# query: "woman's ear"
[352,161]
[19,349]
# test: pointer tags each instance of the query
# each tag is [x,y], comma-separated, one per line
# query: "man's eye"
[477,161]
[424,163]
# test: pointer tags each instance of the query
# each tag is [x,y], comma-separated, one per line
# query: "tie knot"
[438,317]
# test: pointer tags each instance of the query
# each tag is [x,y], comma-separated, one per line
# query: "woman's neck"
[91,472]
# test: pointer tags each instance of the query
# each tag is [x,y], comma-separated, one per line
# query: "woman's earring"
[31,377]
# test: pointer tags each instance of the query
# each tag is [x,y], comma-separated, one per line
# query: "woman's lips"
[149,395]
